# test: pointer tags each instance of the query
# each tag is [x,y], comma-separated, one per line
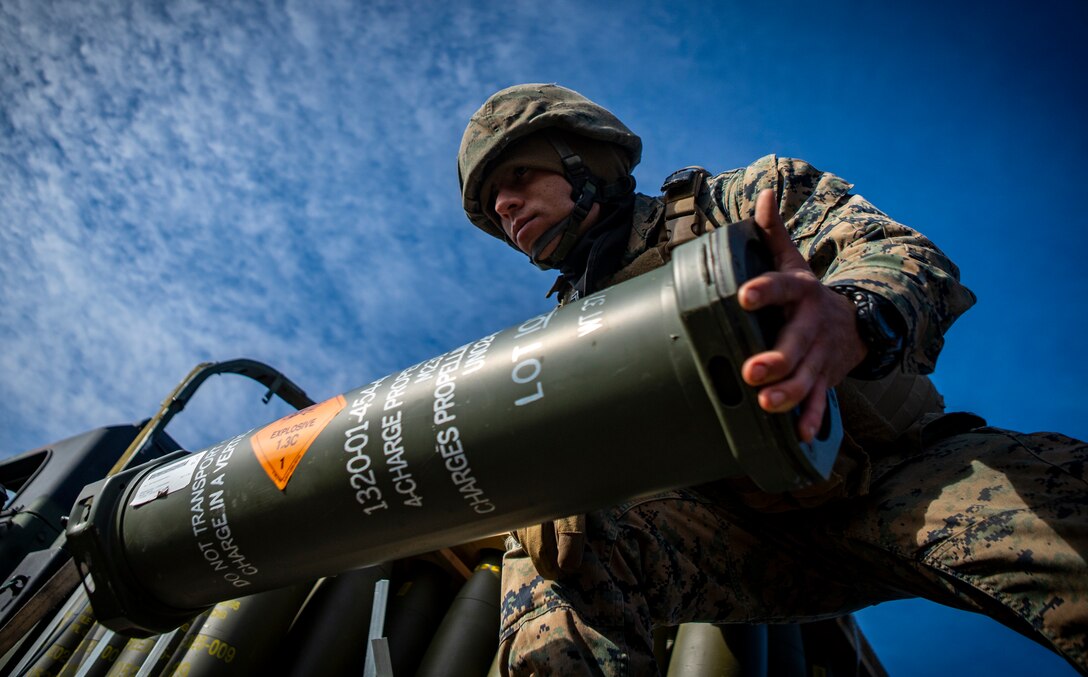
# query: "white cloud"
[204,183]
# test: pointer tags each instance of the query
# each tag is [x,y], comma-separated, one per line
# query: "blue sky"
[189,181]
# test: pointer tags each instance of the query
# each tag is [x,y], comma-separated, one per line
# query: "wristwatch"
[881,329]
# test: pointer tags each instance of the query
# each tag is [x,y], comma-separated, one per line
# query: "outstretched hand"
[819,344]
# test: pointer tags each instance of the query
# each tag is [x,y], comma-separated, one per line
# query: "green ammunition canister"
[726,650]
[631,390]
[329,636]
[57,653]
[239,634]
[465,643]
[419,596]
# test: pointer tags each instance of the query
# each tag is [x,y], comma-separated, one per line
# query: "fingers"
[799,294]
[809,354]
[812,414]
[778,289]
[802,388]
[813,348]
[782,395]
[766,289]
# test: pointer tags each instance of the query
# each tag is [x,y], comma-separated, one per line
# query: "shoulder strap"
[684,220]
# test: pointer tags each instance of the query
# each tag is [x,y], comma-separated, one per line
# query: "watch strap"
[881,329]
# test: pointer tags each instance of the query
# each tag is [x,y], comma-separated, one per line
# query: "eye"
[508,178]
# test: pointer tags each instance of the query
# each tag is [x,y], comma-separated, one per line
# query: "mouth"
[518,226]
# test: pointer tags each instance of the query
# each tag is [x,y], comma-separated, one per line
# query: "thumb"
[775,236]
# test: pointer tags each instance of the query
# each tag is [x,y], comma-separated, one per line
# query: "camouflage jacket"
[845,239]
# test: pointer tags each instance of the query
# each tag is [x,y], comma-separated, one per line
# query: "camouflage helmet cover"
[518,111]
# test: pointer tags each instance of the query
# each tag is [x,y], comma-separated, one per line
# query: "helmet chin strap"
[566,229]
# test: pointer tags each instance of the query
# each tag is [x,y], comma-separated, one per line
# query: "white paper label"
[166,480]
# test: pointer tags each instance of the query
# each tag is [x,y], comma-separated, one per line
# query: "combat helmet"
[565,118]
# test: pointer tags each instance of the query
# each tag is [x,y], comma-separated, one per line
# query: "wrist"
[881,330]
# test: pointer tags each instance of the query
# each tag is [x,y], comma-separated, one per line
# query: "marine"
[920,503]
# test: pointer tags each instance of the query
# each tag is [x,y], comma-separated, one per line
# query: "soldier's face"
[530,201]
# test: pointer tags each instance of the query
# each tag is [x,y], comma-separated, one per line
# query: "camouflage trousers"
[987,520]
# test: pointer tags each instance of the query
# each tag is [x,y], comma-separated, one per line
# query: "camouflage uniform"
[920,503]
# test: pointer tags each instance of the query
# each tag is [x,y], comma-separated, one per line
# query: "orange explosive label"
[281,445]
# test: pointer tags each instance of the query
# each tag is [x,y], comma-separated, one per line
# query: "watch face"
[883,322]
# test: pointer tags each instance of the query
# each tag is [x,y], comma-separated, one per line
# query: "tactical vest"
[874,412]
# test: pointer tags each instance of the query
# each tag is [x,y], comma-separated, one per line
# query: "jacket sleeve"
[847,240]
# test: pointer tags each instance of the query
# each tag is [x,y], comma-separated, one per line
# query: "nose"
[507,202]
